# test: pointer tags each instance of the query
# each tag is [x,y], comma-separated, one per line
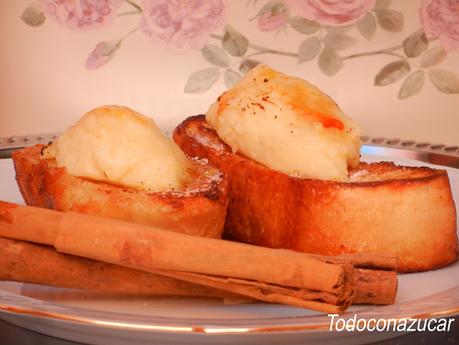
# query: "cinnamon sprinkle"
[258,105]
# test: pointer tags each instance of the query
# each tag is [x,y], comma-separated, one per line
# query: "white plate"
[94,319]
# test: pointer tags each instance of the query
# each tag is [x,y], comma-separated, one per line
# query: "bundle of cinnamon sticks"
[86,252]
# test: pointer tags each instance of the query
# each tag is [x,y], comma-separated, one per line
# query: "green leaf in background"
[231,77]
[247,64]
[330,62]
[215,55]
[102,54]
[367,25]
[445,81]
[412,84]
[33,15]
[303,25]
[234,42]
[202,80]
[309,49]
[339,41]
[275,7]
[392,72]
[390,20]
[433,57]
[415,44]
[380,4]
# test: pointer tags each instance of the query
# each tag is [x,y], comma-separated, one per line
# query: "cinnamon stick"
[40,264]
[272,275]
[374,286]
[164,252]
[375,276]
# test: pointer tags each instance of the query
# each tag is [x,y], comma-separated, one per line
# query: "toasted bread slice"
[197,210]
[406,211]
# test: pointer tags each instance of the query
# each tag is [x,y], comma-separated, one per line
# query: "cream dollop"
[286,124]
[118,145]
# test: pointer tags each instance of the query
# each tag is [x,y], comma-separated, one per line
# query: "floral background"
[410,51]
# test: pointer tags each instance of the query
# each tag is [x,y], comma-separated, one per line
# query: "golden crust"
[406,211]
[197,210]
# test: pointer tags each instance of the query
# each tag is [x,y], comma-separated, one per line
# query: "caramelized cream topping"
[286,124]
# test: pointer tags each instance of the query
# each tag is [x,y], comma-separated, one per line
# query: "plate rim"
[146,325]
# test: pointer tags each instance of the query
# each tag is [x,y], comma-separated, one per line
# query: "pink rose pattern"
[102,53]
[440,18]
[331,12]
[81,14]
[270,21]
[181,25]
